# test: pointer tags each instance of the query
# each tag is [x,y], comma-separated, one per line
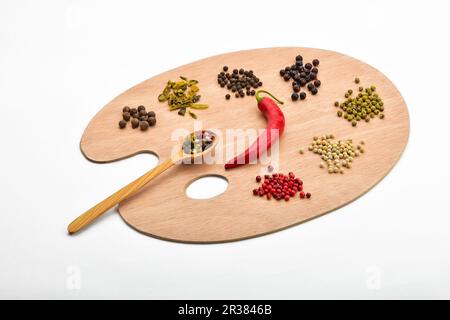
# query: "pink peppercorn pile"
[280,187]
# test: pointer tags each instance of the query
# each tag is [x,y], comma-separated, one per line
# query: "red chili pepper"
[275,121]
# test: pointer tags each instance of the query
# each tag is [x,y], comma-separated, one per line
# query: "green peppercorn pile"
[337,154]
[366,105]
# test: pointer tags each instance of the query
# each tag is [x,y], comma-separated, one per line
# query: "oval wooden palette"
[163,210]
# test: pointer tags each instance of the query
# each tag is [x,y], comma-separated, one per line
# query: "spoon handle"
[117,197]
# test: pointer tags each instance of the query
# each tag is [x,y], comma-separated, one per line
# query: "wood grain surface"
[163,210]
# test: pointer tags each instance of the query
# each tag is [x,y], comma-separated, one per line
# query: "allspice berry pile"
[240,82]
[139,117]
[366,105]
[336,154]
[302,75]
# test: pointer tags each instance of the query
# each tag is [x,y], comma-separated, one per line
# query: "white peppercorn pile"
[336,154]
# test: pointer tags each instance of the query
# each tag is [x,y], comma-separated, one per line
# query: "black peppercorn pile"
[303,75]
[139,117]
[240,82]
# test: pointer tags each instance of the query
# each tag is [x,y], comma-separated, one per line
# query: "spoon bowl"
[195,145]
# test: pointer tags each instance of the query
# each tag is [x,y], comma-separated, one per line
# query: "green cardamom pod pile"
[182,95]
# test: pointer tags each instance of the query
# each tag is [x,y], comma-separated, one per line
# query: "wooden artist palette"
[162,208]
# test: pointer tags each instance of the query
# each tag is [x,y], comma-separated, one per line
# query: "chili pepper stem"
[258,97]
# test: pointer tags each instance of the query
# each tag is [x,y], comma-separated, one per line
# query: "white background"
[60,61]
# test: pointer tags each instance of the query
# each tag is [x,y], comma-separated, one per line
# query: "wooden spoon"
[132,188]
